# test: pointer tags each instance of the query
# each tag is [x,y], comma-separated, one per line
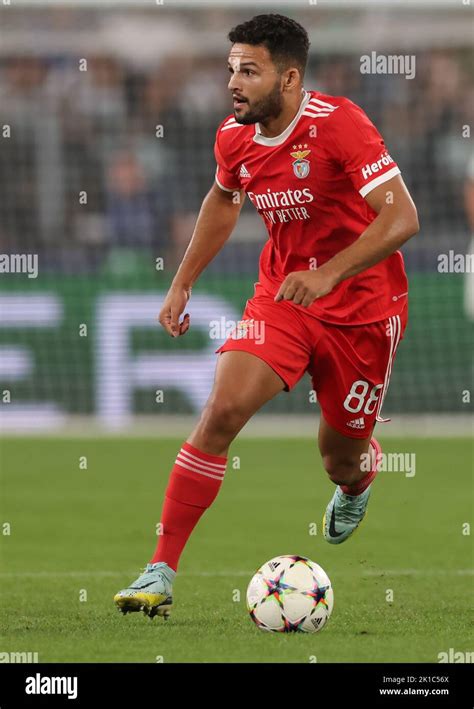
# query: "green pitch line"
[85,533]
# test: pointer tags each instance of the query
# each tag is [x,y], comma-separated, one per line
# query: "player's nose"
[233,82]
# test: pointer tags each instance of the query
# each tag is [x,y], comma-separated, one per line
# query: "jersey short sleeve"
[360,149]
[225,178]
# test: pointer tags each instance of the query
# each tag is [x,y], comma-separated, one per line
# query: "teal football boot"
[343,515]
[150,593]
[345,512]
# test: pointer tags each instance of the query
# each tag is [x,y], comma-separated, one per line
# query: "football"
[290,593]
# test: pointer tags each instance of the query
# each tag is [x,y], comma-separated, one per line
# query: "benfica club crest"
[300,165]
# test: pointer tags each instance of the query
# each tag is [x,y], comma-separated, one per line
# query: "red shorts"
[350,366]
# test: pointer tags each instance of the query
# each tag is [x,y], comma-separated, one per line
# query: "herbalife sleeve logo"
[19,263]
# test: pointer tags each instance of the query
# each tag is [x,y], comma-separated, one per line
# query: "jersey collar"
[279,139]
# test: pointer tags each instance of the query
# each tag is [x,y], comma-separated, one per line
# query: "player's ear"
[291,78]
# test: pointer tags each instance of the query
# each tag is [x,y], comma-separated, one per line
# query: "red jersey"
[308,184]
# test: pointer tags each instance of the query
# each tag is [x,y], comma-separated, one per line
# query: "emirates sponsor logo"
[276,200]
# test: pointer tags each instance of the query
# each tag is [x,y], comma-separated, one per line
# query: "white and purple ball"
[290,593]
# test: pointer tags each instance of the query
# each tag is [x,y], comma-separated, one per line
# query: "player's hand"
[175,303]
[304,287]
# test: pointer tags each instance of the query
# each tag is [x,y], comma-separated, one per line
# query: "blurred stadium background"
[112,111]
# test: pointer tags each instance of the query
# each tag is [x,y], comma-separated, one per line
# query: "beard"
[268,107]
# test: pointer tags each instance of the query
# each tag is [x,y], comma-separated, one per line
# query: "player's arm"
[396,222]
[216,220]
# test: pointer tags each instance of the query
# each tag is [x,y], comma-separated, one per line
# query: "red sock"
[358,487]
[193,485]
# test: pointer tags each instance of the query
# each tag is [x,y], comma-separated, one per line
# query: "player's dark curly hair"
[286,40]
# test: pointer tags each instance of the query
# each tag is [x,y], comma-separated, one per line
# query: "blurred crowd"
[103,154]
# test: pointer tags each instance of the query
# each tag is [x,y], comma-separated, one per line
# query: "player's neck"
[272,127]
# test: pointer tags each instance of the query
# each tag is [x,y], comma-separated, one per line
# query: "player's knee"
[224,417]
[342,470]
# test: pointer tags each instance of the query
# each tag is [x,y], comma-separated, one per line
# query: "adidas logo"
[243,171]
[356,423]
[273,565]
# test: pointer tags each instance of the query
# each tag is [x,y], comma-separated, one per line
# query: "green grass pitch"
[89,531]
